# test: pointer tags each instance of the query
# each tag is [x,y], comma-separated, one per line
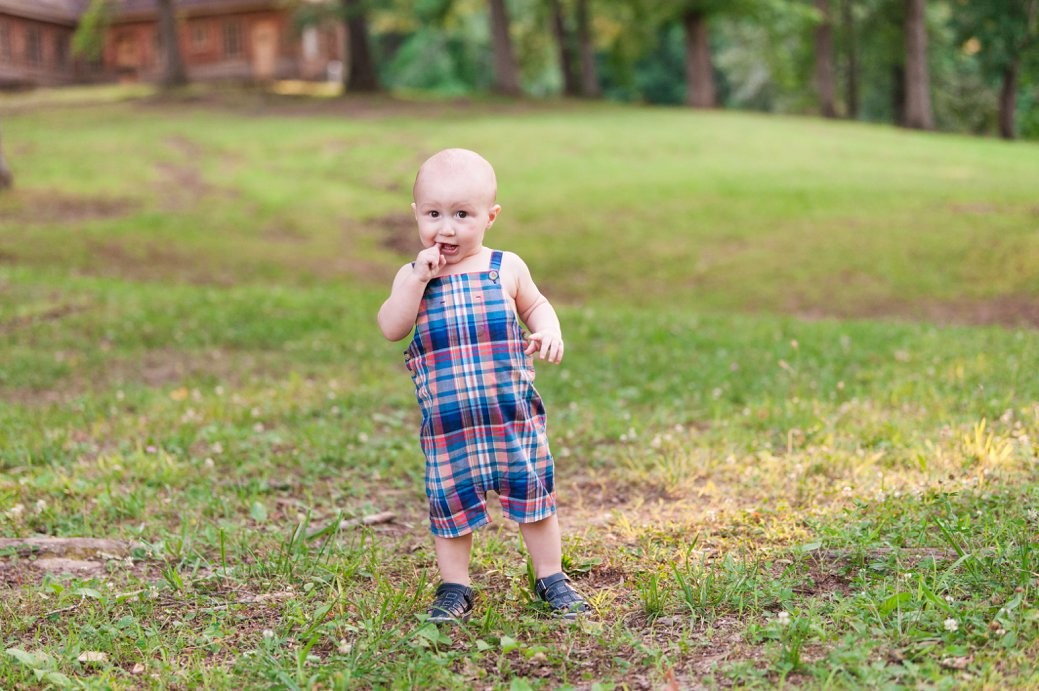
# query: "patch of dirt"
[42,206]
[185,146]
[397,232]
[1012,311]
[155,368]
[909,557]
[151,262]
[29,560]
[281,233]
[28,320]
[974,209]
[180,186]
[1006,310]
[726,645]
[72,547]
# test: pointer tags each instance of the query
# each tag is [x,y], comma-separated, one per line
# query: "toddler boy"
[483,422]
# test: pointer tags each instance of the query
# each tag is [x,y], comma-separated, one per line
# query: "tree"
[360,73]
[852,58]
[506,70]
[700,91]
[918,113]
[1003,36]
[173,72]
[824,69]
[571,85]
[6,177]
[589,75]
[694,16]
[89,39]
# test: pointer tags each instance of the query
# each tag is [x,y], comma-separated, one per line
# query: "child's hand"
[547,344]
[429,263]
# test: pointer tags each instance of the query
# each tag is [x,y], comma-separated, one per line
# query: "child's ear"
[492,214]
[414,210]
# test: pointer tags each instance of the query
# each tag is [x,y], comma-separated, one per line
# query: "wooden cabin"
[240,40]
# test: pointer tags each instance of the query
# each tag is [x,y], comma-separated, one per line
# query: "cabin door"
[127,57]
[265,50]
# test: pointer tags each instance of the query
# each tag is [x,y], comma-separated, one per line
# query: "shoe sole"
[450,620]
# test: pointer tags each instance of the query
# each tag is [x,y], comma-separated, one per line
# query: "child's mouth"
[448,249]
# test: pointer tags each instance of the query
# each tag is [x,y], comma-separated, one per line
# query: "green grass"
[795,430]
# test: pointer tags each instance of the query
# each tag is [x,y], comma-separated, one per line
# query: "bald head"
[460,166]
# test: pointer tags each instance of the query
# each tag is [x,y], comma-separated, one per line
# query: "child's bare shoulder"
[513,263]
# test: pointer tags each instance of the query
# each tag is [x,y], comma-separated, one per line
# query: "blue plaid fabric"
[483,423]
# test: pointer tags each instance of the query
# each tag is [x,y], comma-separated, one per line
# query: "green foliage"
[762,52]
[89,39]
[997,33]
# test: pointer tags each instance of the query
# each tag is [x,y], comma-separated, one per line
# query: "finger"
[557,352]
[545,346]
[532,344]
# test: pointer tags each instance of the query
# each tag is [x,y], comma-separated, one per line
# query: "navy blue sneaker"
[453,603]
[561,596]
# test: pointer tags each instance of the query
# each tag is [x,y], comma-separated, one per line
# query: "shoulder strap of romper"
[496,260]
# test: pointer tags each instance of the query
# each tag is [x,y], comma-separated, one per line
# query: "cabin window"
[200,36]
[61,50]
[232,38]
[5,41]
[33,45]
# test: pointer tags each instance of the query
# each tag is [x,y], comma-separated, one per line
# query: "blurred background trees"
[953,65]
[957,65]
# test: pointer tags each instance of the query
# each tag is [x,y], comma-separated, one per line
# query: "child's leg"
[546,551]
[453,557]
[545,545]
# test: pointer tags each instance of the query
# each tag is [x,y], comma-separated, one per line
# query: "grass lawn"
[796,430]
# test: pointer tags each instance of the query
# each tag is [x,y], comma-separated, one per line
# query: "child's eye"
[434,214]
[463,214]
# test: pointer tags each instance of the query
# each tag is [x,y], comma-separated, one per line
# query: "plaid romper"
[483,423]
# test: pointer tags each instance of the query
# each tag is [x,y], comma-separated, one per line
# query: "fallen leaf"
[956,662]
[93,657]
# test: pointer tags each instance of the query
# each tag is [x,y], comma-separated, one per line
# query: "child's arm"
[397,315]
[534,309]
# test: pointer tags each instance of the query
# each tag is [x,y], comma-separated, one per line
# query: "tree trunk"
[566,58]
[506,71]
[852,85]
[1008,100]
[174,73]
[6,177]
[699,74]
[898,94]
[589,76]
[360,74]
[824,79]
[918,114]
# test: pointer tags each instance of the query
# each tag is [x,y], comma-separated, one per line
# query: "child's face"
[454,210]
